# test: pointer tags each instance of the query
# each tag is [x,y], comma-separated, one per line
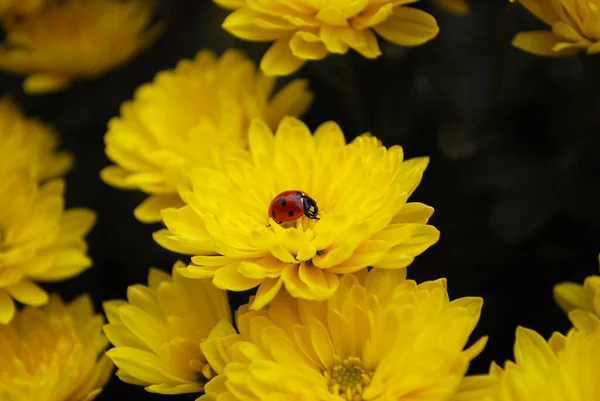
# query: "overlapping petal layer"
[75,39]
[310,30]
[157,333]
[197,114]
[39,240]
[563,369]
[361,190]
[379,337]
[54,353]
[575,27]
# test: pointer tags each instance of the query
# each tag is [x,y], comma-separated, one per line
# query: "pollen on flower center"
[349,379]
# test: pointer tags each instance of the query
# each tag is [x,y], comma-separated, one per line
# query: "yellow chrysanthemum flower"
[157,334]
[54,353]
[39,240]
[197,114]
[457,7]
[75,39]
[29,144]
[563,369]
[581,302]
[361,190]
[575,27]
[310,30]
[379,337]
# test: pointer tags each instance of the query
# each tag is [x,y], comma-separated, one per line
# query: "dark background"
[513,140]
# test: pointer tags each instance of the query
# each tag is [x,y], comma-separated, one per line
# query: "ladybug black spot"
[291,213]
[273,214]
[283,202]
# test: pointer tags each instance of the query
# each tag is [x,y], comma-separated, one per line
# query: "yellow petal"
[456,7]
[149,210]
[142,365]
[39,84]
[75,223]
[307,46]
[332,41]
[594,49]
[541,43]
[28,293]
[373,17]
[172,389]
[331,16]
[228,278]
[413,212]
[542,9]
[408,27]
[145,327]
[267,291]
[280,60]
[243,24]
[7,307]
[117,177]
[231,4]
[120,336]
[570,296]
[584,321]
[531,348]
[67,263]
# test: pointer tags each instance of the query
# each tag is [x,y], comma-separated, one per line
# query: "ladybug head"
[310,207]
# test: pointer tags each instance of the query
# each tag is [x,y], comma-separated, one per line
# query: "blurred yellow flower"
[28,144]
[54,353]
[562,369]
[457,7]
[581,302]
[575,27]
[310,30]
[75,39]
[39,240]
[197,114]
[361,190]
[158,332]
[379,337]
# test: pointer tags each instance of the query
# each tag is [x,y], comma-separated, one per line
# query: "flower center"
[349,379]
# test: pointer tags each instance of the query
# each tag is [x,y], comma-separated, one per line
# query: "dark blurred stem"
[353,99]
[346,83]
[505,43]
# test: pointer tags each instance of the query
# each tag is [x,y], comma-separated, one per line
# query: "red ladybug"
[291,205]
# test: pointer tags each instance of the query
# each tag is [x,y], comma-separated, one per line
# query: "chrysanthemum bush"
[212,144]
[54,353]
[197,114]
[361,189]
[72,40]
